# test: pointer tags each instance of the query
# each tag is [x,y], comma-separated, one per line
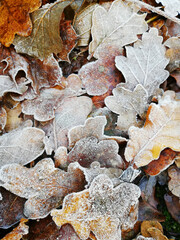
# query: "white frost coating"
[140,237]
[118,27]
[145,63]
[22,145]
[172,7]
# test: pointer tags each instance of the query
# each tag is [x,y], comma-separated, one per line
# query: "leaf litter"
[89,142]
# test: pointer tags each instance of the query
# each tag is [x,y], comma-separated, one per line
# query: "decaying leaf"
[101,209]
[45,38]
[173,205]
[15,19]
[156,233]
[145,63]
[100,76]
[11,209]
[174,183]
[18,232]
[21,145]
[43,185]
[127,104]
[171,7]
[3,118]
[83,23]
[92,127]
[118,26]
[173,53]
[150,224]
[161,130]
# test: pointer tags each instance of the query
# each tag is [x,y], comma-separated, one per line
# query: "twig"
[155,10]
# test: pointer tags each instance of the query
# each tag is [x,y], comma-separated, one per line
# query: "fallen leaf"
[145,63]
[101,209]
[140,237]
[15,19]
[173,184]
[11,209]
[173,205]
[92,127]
[83,24]
[45,38]
[43,185]
[3,118]
[18,232]
[160,131]
[22,145]
[156,233]
[146,225]
[118,26]
[100,76]
[173,53]
[128,105]
[166,158]
[171,7]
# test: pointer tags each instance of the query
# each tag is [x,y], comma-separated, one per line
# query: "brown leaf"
[173,184]
[3,118]
[101,209]
[18,232]
[11,209]
[43,185]
[173,205]
[173,53]
[100,76]
[149,224]
[157,234]
[14,19]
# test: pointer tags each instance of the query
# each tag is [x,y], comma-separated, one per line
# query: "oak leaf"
[145,63]
[43,185]
[173,184]
[15,19]
[101,209]
[45,38]
[21,145]
[171,7]
[161,130]
[118,26]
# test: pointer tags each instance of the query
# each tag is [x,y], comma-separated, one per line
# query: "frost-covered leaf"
[72,112]
[102,209]
[21,145]
[83,23]
[15,19]
[173,184]
[145,63]
[101,76]
[3,118]
[11,209]
[118,26]
[45,38]
[140,237]
[161,130]
[92,127]
[43,185]
[18,232]
[171,7]
[90,149]
[173,53]
[7,85]
[127,104]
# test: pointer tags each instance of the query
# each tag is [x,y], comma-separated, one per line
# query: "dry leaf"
[128,104]
[43,185]
[14,19]
[173,184]
[149,224]
[145,63]
[18,232]
[92,127]
[11,209]
[83,24]
[101,209]
[45,38]
[156,234]
[173,205]
[173,53]
[161,130]
[171,7]
[21,145]
[100,76]
[3,118]
[118,26]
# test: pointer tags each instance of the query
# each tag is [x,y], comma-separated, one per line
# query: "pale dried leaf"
[118,26]
[145,63]
[174,183]
[102,209]
[43,185]
[83,23]
[171,7]
[21,145]
[3,118]
[161,130]
[128,104]
[173,53]
[45,38]
[92,127]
